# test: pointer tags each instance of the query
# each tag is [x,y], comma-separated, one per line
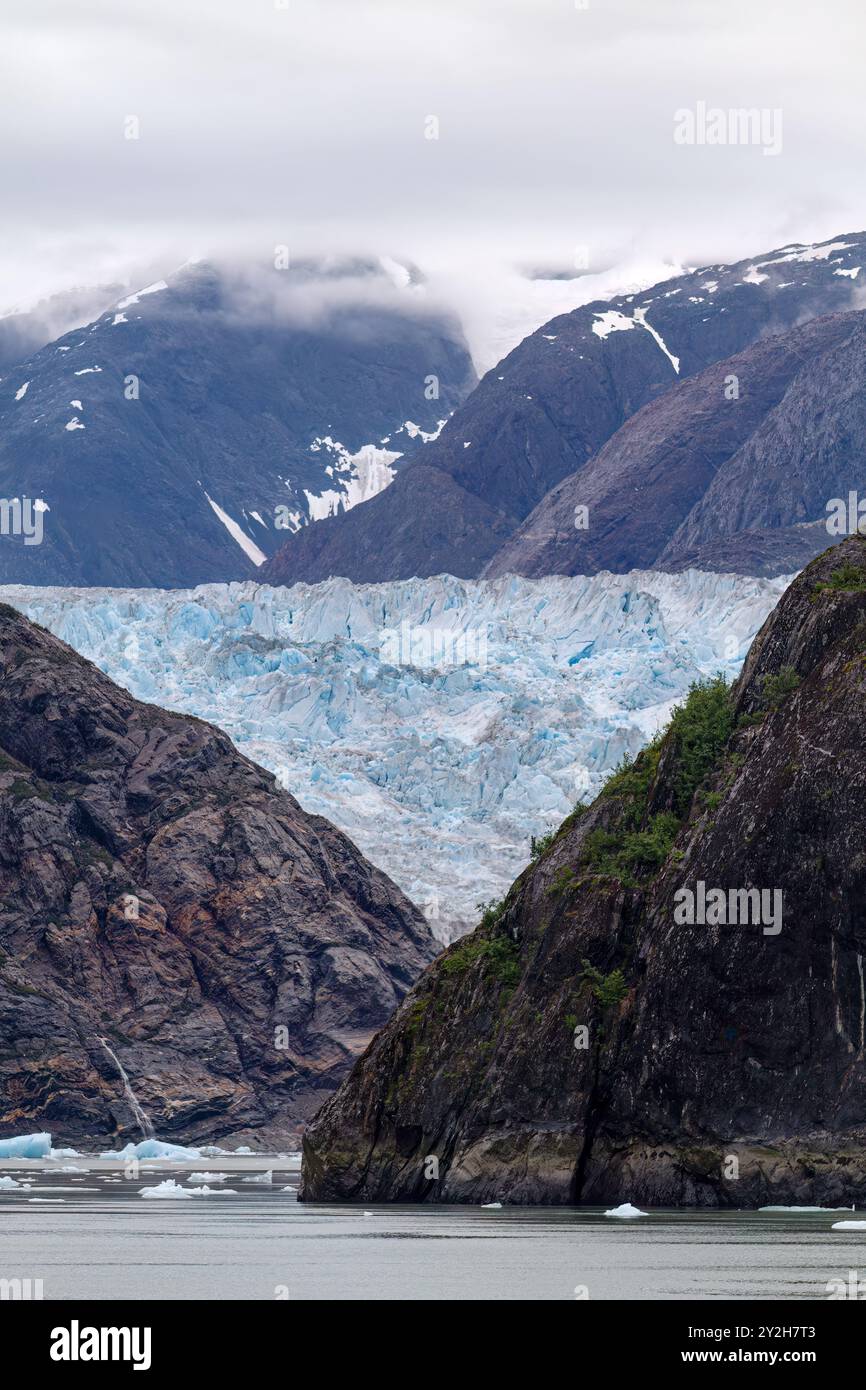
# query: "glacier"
[440,722]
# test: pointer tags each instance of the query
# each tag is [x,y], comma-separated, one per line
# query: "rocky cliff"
[167,912]
[669,1005]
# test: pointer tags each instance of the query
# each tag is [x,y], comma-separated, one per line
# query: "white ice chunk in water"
[625,1211]
[26,1146]
[167,1189]
[153,1148]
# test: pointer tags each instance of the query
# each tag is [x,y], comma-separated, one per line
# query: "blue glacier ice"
[26,1146]
[439,722]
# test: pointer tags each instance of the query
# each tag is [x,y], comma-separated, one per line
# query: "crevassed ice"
[440,722]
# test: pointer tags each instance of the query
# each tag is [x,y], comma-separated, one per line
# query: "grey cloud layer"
[305,124]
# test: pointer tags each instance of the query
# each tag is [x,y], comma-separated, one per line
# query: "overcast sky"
[304,124]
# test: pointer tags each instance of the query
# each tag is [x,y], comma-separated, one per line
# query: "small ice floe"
[369,1213]
[22,391]
[48,1201]
[208,1177]
[168,1189]
[74,424]
[51,1187]
[267,1177]
[62,1153]
[805,1208]
[153,1148]
[213,1191]
[26,1146]
[7,1183]
[848,1226]
[119,318]
[492,1206]
[626,1210]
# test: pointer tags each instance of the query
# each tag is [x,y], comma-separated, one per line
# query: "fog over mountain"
[152,132]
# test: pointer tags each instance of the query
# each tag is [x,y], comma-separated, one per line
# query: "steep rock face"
[552,403]
[589,1045]
[182,435]
[161,900]
[730,470]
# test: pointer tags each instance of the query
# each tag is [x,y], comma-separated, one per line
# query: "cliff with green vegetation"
[669,1005]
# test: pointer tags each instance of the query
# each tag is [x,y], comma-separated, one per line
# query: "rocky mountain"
[669,1006]
[178,938]
[731,469]
[182,435]
[554,401]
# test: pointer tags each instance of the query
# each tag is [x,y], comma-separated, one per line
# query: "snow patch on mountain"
[440,723]
[358,476]
[134,298]
[248,546]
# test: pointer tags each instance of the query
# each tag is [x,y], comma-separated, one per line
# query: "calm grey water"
[88,1237]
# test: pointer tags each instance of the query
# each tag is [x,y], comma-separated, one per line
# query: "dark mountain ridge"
[553,402]
[181,436]
[162,901]
[731,469]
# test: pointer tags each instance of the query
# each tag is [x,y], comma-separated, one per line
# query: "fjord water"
[90,1236]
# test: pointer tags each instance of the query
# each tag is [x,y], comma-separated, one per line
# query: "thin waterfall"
[140,1117]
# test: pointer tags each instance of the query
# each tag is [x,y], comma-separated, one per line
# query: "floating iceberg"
[267,1177]
[7,1183]
[26,1146]
[805,1208]
[153,1148]
[848,1226]
[626,1210]
[208,1177]
[168,1189]
[492,1206]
